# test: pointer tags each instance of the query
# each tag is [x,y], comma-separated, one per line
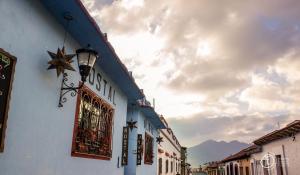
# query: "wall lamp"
[86,58]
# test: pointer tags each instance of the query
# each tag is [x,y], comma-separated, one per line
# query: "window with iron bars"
[149,155]
[93,126]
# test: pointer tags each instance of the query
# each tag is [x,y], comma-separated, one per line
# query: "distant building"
[169,152]
[214,168]
[239,163]
[185,167]
[280,152]
[198,171]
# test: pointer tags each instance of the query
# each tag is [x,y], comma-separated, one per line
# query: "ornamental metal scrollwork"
[93,126]
[66,88]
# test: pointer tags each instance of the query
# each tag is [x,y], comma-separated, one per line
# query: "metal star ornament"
[131,124]
[60,61]
[159,139]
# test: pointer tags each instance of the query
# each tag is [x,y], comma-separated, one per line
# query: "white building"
[85,135]
[280,152]
[238,163]
[169,152]
[142,148]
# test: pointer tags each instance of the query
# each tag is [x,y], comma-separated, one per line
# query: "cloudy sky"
[223,70]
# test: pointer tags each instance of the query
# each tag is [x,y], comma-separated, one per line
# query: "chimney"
[130,73]
[105,36]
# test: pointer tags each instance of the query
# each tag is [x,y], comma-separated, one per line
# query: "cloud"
[200,127]
[265,95]
[205,59]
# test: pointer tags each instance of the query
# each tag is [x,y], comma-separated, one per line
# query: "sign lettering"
[139,150]
[1,74]
[125,146]
[102,85]
[4,59]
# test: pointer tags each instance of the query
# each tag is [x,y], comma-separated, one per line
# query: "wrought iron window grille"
[93,126]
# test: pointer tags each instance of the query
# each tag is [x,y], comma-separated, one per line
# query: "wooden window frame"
[75,153]
[7,104]
[167,166]
[241,170]
[279,166]
[160,165]
[265,169]
[247,171]
[146,161]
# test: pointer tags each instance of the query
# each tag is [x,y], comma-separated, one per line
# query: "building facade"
[276,153]
[86,132]
[280,152]
[185,166]
[169,152]
[214,168]
[239,163]
[142,154]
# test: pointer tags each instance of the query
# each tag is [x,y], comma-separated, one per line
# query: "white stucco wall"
[143,169]
[146,169]
[39,134]
[292,153]
[168,145]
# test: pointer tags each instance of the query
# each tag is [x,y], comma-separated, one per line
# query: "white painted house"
[169,152]
[280,152]
[37,137]
[142,154]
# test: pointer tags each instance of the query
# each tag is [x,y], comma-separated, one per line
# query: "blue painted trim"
[85,31]
[152,116]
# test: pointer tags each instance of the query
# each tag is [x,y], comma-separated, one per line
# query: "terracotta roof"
[212,164]
[288,131]
[245,153]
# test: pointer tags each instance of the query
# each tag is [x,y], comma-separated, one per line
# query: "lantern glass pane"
[83,58]
[92,60]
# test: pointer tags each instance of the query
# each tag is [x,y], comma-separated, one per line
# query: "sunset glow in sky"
[223,70]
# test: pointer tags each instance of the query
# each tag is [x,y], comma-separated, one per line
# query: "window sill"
[89,156]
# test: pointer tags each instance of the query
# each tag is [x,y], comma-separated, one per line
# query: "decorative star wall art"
[131,124]
[159,139]
[60,61]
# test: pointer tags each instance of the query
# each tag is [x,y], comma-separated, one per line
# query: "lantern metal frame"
[65,87]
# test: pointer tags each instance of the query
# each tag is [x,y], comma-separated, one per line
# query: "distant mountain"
[212,150]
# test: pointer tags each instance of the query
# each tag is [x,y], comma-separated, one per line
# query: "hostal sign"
[7,65]
[125,146]
[102,86]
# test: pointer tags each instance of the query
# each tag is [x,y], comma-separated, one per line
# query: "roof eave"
[85,31]
[153,117]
